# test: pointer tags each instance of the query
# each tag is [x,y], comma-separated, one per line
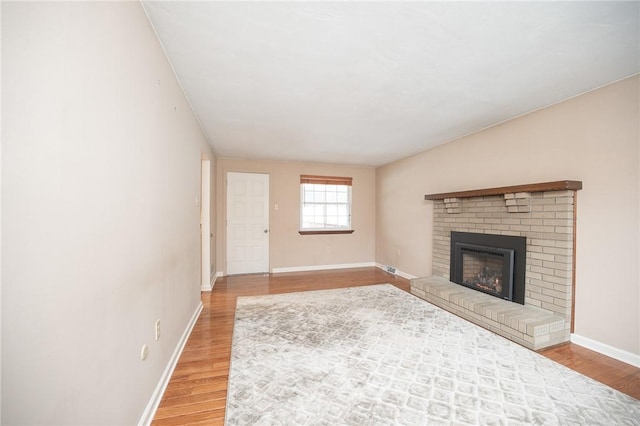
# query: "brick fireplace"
[544,214]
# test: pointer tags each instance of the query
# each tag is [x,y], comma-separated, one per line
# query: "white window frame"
[324,203]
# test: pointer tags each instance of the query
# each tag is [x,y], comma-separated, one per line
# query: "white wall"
[594,138]
[100,171]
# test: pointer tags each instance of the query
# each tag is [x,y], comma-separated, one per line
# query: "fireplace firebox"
[492,264]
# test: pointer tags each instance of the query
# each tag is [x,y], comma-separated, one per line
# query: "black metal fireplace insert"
[492,264]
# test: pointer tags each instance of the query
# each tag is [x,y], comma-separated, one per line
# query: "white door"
[247,223]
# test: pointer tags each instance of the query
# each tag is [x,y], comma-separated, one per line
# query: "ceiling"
[370,83]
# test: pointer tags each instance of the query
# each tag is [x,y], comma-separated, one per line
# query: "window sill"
[346,231]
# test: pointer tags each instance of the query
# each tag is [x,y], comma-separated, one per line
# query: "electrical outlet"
[157,330]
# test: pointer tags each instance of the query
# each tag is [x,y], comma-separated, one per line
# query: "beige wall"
[593,138]
[100,172]
[289,249]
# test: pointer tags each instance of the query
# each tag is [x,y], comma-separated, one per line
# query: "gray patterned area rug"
[376,355]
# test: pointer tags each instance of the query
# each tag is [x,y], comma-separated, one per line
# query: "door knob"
[266,231]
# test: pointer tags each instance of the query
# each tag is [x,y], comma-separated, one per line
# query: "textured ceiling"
[370,83]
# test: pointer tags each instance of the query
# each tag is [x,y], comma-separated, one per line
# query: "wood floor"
[197,391]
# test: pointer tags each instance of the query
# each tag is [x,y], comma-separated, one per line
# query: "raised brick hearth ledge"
[530,326]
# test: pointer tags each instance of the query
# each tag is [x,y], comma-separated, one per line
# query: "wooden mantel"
[561,185]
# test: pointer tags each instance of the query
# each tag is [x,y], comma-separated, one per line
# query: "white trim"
[322,267]
[324,204]
[209,288]
[405,275]
[219,274]
[604,349]
[154,402]
[205,225]
[398,272]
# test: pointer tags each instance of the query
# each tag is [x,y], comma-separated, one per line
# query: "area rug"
[375,355]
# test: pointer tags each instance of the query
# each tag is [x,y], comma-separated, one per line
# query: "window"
[325,205]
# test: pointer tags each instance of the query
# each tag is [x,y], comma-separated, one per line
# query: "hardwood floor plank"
[611,372]
[196,394]
[193,389]
[198,397]
[211,417]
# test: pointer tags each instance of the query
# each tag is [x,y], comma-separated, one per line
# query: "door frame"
[206,281]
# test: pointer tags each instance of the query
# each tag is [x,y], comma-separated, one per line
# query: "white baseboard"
[154,402]
[219,274]
[398,272]
[322,267]
[405,275]
[337,266]
[210,287]
[604,349]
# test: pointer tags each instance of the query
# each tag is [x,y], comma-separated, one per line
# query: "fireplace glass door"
[486,269]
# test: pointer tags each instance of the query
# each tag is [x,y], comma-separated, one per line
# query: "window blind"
[326,180]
